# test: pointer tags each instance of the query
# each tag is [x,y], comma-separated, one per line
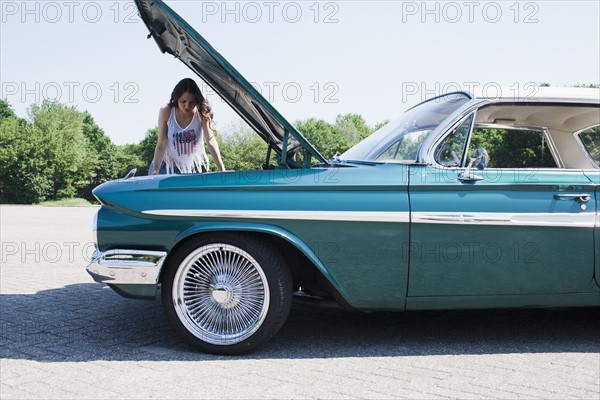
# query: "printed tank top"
[185,146]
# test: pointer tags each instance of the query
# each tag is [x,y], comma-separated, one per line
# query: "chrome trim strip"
[553,149]
[307,215]
[581,220]
[134,267]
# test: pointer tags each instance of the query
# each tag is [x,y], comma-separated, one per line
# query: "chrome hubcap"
[221,294]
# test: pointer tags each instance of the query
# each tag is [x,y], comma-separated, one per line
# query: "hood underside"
[174,36]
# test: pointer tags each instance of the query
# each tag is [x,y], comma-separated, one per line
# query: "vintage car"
[463,202]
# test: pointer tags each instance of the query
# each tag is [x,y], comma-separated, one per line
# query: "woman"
[183,125]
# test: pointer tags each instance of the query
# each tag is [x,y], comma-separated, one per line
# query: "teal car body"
[405,220]
[327,214]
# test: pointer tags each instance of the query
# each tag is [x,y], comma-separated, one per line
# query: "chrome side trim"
[356,216]
[581,220]
[134,267]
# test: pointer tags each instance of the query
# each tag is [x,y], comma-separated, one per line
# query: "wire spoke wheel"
[220,293]
[226,292]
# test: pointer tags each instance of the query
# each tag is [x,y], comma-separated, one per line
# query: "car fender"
[266,229]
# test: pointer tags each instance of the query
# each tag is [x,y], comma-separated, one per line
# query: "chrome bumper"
[131,267]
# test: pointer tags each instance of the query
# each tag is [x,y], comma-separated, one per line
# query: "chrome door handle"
[580,197]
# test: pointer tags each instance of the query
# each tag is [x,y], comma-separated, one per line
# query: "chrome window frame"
[426,154]
[431,150]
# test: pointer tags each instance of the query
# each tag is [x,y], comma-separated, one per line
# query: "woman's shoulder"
[166,110]
[165,113]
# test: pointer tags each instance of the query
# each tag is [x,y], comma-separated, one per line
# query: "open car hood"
[174,36]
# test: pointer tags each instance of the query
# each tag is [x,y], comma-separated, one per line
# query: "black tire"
[226,293]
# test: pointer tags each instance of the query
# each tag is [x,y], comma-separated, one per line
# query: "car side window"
[591,141]
[450,152]
[513,148]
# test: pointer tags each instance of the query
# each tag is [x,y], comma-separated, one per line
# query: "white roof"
[536,93]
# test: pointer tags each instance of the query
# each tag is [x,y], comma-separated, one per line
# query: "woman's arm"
[213,145]
[161,144]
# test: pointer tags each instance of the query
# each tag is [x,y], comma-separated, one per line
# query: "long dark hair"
[188,85]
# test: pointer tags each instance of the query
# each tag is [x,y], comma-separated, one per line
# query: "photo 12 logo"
[253,12]
[453,12]
[54,12]
[287,92]
[416,92]
[69,92]
[46,253]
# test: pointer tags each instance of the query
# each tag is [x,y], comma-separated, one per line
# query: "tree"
[330,140]
[66,153]
[381,124]
[6,110]
[128,158]
[241,147]
[24,177]
[353,127]
[147,145]
[323,136]
[137,155]
[103,152]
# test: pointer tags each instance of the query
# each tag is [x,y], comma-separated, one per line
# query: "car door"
[509,232]
[590,139]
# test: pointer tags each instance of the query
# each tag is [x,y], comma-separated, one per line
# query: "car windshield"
[400,140]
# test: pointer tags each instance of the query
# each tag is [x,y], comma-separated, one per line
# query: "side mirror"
[480,159]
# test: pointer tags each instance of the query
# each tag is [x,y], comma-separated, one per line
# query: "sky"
[309,58]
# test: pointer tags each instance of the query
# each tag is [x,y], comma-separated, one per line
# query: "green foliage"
[381,124]
[591,140]
[241,148]
[23,170]
[145,149]
[138,156]
[104,153]
[59,151]
[6,110]
[71,202]
[128,157]
[513,148]
[69,160]
[323,136]
[353,127]
[329,139]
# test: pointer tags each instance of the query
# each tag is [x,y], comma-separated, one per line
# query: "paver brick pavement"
[63,336]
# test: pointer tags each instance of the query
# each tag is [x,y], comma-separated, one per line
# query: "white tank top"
[185,146]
